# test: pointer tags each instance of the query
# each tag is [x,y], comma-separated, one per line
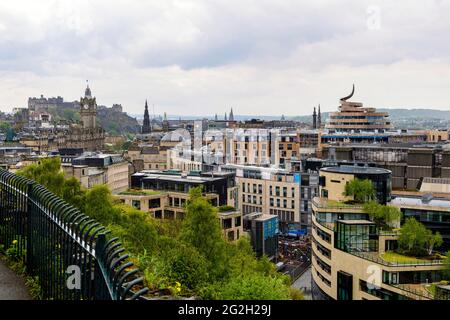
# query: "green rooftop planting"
[137,192]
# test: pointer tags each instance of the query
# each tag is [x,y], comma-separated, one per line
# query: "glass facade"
[356,237]
[381,293]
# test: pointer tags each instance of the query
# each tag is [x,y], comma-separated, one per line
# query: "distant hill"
[112,121]
[396,115]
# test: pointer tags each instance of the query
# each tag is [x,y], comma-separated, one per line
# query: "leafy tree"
[184,264]
[201,229]
[47,173]
[361,190]
[73,193]
[139,232]
[99,205]
[447,266]
[4,126]
[382,215]
[251,287]
[416,239]
[433,240]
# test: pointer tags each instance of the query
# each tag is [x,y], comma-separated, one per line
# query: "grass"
[397,257]
[134,192]
[340,204]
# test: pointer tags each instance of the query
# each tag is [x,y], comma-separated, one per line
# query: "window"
[381,293]
[345,286]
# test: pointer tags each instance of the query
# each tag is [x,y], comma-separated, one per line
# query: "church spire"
[146,124]
[231,115]
[87,92]
[319,119]
[314,119]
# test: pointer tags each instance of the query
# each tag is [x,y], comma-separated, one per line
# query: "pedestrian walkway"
[12,287]
[304,283]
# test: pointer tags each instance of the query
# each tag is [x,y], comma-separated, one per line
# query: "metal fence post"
[29,228]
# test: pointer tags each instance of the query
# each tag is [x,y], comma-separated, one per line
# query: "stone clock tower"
[88,110]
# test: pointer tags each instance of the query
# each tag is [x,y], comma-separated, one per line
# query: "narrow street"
[304,283]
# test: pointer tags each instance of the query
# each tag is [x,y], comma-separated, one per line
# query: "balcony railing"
[374,257]
[331,204]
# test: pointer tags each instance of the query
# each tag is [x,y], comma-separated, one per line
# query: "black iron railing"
[73,256]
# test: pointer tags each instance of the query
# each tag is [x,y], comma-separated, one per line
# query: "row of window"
[278,203]
[250,209]
[324,280]
[324,251]
[284,193]
[322,234]
[257,188]
[285,216]
[381,293]
[323,265]
[252,199]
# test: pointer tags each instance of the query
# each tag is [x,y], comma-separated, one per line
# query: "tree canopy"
[416,239]
[361,190]
[188,258]
[382,215]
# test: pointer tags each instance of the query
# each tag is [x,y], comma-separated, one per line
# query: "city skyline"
[188,57]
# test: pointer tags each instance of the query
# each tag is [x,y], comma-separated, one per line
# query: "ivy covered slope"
[182,258]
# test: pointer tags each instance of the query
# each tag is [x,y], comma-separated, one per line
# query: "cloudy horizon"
[260,57]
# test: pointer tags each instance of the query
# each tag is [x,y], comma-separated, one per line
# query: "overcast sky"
[260,57]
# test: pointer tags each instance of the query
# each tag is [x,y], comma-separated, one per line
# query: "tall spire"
[146,124]
[314,119]
[87,92]
[225,116]
[319,119]
[231,118]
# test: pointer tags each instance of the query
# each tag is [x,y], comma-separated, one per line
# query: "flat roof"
[418,201]
[177,177]
[265,217]
[356,170]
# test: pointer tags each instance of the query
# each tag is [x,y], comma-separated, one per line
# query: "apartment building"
[163,194]
[93,169]
[270,191]
[351,256]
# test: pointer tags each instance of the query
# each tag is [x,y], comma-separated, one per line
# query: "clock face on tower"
[86,106]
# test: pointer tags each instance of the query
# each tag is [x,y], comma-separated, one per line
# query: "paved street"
[304,283]
[12,287]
